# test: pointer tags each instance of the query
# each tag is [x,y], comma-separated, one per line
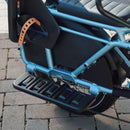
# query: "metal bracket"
[128,85]
[31,68]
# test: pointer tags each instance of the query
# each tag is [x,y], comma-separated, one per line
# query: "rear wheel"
[102,74]
[109,79]
[117,76]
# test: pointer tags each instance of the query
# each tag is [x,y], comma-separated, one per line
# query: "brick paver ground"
[19,111]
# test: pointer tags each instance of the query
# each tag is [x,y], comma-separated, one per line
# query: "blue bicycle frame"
[72,76]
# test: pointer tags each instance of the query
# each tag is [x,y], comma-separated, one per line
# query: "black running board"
[61,95]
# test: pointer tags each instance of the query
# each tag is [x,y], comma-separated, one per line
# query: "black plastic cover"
[12,16]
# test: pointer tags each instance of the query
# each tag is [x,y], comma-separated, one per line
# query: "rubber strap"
[25,28]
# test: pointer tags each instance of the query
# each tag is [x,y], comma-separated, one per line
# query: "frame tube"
[92,60]
[49,58]
[72,76]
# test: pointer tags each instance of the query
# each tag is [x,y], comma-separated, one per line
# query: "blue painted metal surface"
[89,22]
[72,76]
[128,85]
[62,74]
[30,64]
[94,88]
[49,58]
[101,52]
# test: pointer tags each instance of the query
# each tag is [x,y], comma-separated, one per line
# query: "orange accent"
[25,28]
[18,3]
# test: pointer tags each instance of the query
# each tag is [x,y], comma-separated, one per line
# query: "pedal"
[49,90]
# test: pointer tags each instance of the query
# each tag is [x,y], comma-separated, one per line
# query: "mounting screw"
[85,65]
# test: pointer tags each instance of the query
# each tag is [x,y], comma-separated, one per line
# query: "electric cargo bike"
[71,58]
